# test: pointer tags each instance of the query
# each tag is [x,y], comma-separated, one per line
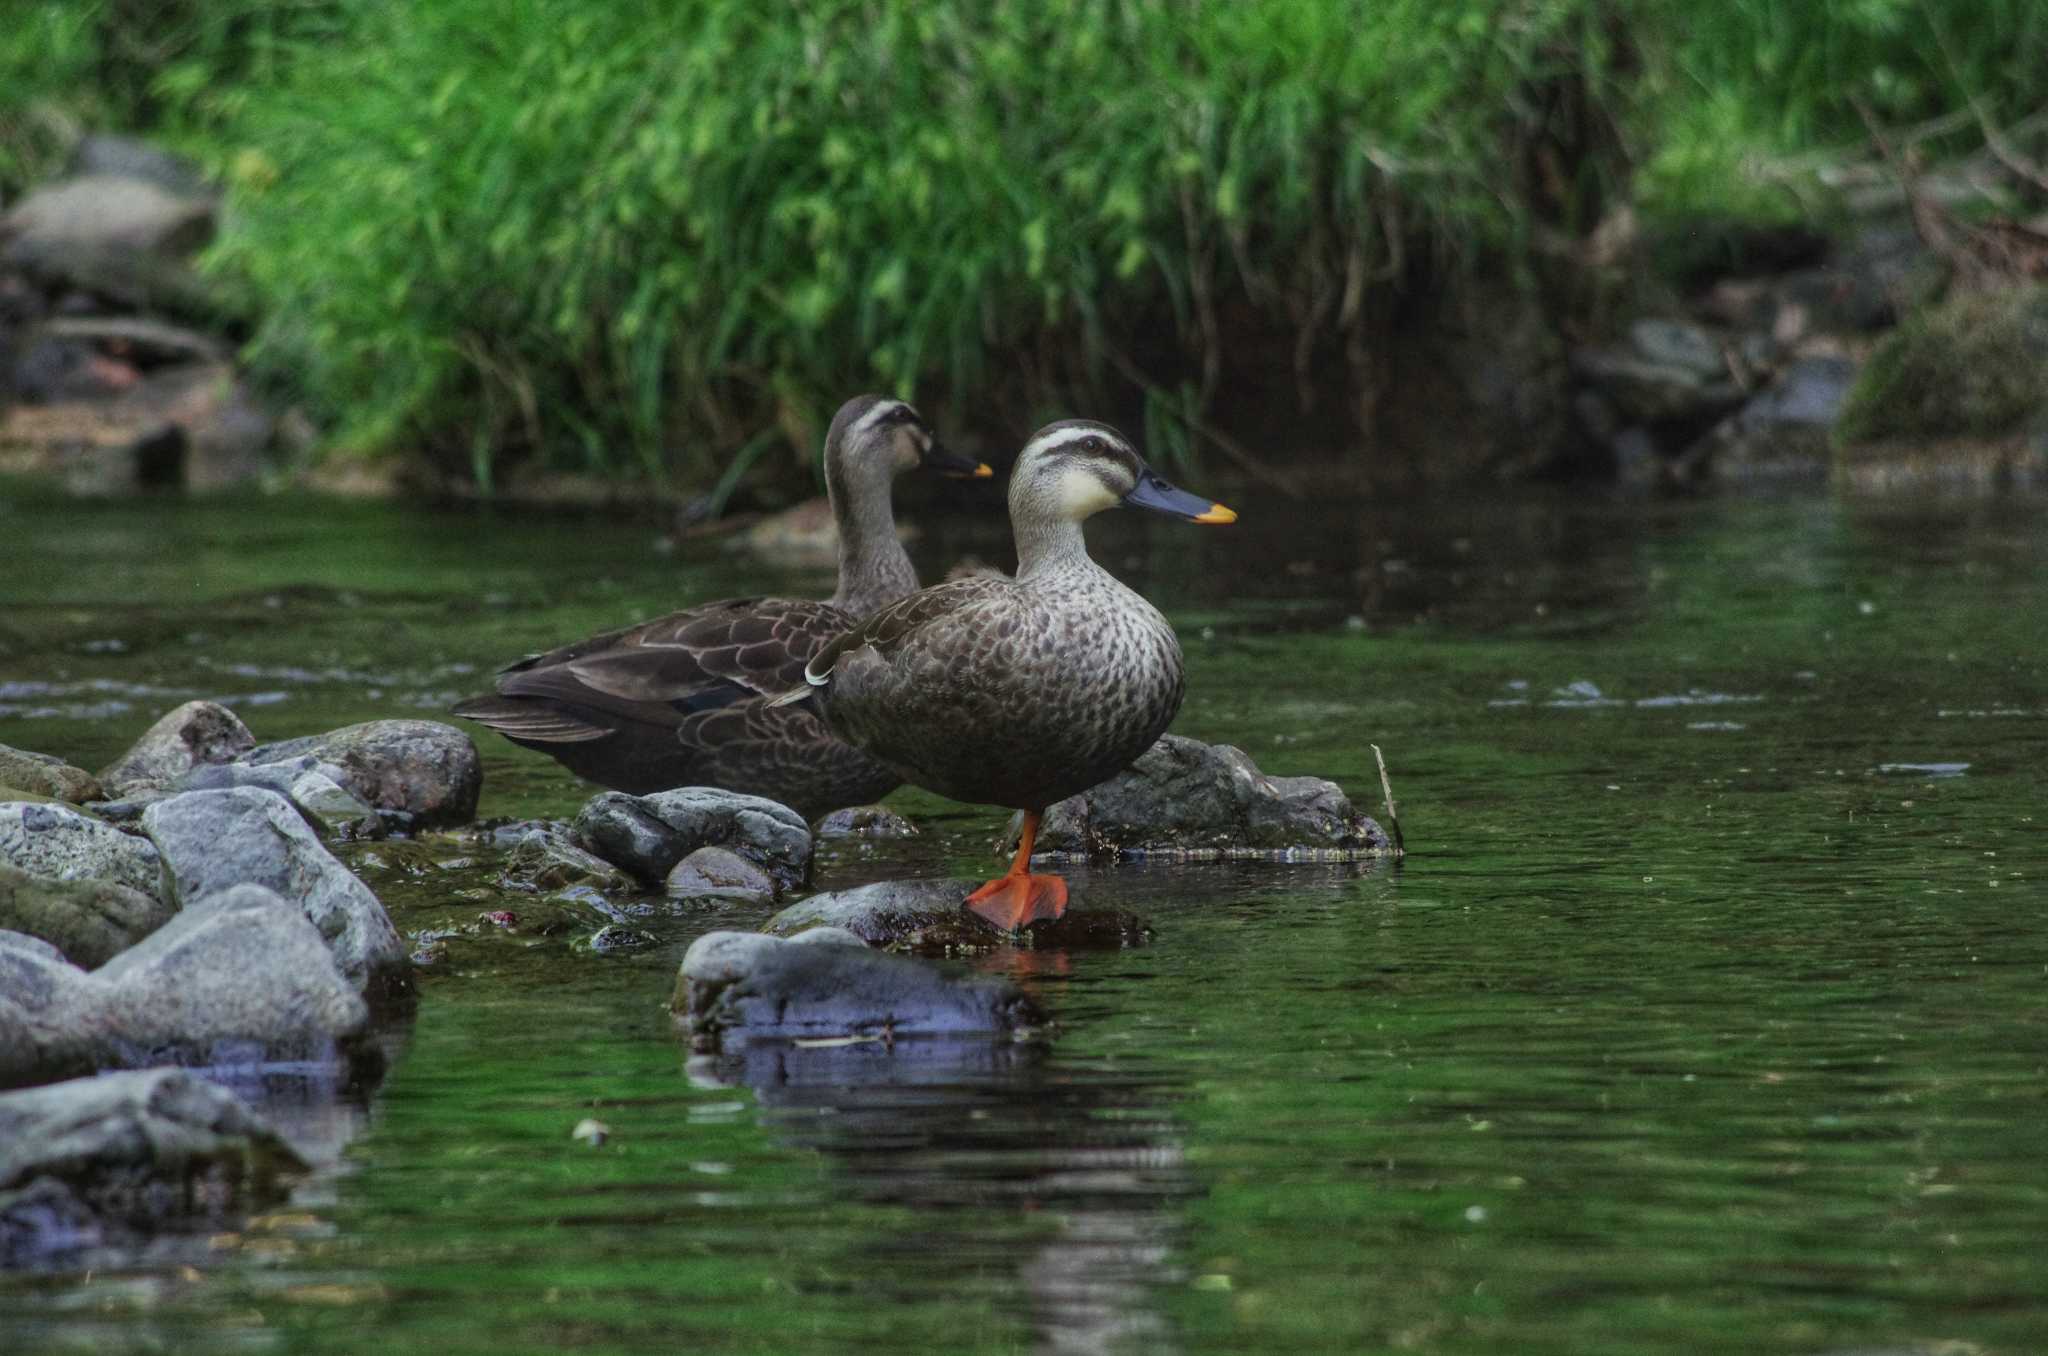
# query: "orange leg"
[1017,897]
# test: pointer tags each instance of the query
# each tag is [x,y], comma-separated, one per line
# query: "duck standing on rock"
[1023,690]
[684,700]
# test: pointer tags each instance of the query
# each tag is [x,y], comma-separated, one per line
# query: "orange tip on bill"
[1216,514]
[982,471]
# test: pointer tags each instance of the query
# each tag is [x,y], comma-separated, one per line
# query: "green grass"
[661,239]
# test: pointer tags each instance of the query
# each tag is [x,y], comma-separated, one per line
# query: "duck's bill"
[944,460]
[1155,494]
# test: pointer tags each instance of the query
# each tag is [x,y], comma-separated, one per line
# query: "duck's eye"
[1094,445]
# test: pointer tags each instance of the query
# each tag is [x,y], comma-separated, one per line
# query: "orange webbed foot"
[1010,902]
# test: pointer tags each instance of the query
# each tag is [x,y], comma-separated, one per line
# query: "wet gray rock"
[1189,800]
[719,873]
[184,738]
[106,1160]
[46,776]
[925,917]
[648,835]
[47,1007]
[126,158]
[1666,371]
[1783,432]
[213,840]
[422,769]
[312,786]
[240,978]
[103,213]
[741,986]
[88,921]
[545,859]
[613,938]
[864,821]
[47,839]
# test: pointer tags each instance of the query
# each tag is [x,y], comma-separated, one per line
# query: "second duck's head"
[1074,469]
[876,438]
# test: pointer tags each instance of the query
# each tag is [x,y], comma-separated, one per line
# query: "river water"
[1708,1013]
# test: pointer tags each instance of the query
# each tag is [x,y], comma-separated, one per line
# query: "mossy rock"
[1974,367]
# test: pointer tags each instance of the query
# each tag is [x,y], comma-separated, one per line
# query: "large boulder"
[113,1159]
[925,917]
[238,974]
[46,776]
[1957,394]
[239,979]
[186,737]
[1189,800]
[422,769]
[739,986]
[647,835]
[90,921]
[213,840]
[47,839]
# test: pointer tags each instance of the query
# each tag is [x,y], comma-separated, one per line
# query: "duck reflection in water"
[960,1130]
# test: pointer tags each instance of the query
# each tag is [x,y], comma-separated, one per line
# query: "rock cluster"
[198,920]
[110,374]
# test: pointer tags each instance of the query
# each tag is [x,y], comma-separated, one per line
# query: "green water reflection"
[1707,1015]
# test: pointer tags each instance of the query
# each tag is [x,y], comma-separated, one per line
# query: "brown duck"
[683,700]
[1021,690]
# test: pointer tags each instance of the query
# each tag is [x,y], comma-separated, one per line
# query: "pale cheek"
[1083,495]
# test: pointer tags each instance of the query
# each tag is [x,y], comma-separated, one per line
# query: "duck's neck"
[1049,545]
[874,569]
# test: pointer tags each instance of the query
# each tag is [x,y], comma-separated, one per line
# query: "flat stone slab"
[925,917]
[742,986]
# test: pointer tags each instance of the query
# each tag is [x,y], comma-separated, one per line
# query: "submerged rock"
[182,739]
[239,978]
[60,843]
[1186,799]
[47,776]
[423,769]
[739,986]
[90,921]
[648,835]
[106,1160]
[719,873]
[545,859]
[926,917]
[212,840]
[864,821]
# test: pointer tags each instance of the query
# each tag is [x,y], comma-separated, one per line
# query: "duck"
[684,700]
[1019,690]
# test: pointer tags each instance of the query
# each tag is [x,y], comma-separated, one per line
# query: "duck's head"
[879,437]
[1076,468]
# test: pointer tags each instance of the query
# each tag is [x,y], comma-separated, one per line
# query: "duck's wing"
[905,624]
[662,671]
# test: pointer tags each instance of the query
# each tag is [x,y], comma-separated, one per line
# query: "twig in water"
[1387,790]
